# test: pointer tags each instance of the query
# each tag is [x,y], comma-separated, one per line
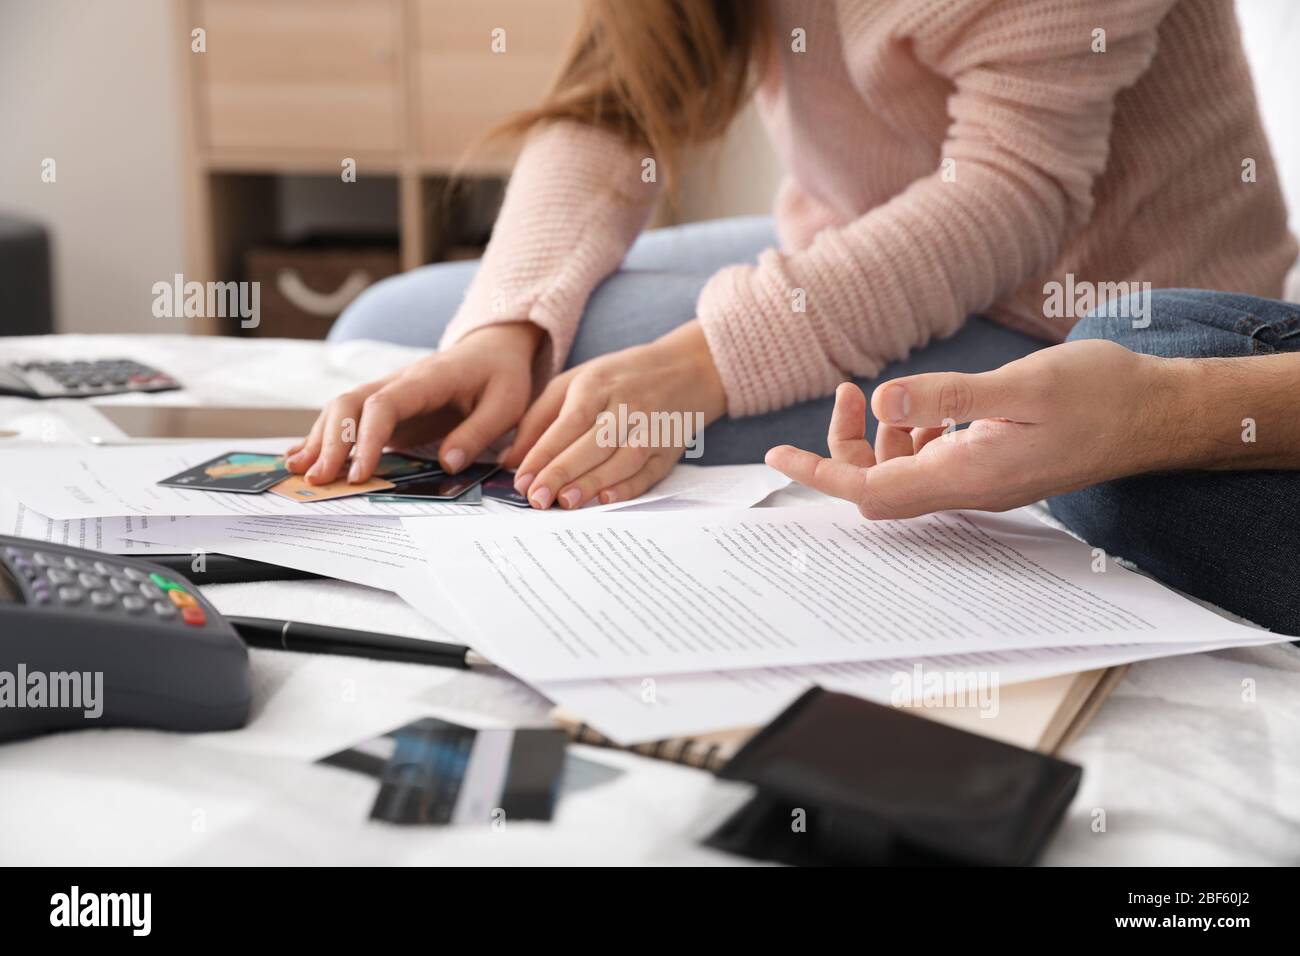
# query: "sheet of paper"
[368,550]
[631,595]
[632,710]
[362,550]
[112,535]
[716,486]
[68,483]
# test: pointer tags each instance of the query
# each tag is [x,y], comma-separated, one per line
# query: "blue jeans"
[1230,538]
[654,292]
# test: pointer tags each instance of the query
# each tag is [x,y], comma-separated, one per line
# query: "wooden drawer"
[306,76]
[463,88]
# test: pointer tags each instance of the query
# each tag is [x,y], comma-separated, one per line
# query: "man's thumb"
[941,399]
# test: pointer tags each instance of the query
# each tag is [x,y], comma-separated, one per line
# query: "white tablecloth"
[1180,765]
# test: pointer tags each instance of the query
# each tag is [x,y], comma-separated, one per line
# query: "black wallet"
[843,781]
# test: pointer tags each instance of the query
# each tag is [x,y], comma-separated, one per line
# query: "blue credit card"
[435,772]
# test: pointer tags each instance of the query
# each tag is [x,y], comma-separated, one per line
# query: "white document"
[632,711]
[714,486]
[68,483]
[112,535]
[365,551]
[368,550]
[631,595]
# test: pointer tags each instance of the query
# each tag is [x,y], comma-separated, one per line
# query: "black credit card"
[501,487]
[243,472]
[439,487]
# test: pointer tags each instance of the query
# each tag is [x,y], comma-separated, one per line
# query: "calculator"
[86,379]
[162,655]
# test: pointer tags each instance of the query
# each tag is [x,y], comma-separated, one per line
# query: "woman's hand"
[469,396]
[1061,419]
[571,448]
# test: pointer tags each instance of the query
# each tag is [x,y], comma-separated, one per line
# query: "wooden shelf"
[403,87]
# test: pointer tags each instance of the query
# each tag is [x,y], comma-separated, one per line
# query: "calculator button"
[58,576]
[135,574]
[167,584]
[182,598]
[164,609]
[41,597]
[14,553]
[91,582]
[121,586]
[134,604]
[71,595]
[44,560]
[72,564]
[102,599]
[193,616]
[105,569]
[151,592]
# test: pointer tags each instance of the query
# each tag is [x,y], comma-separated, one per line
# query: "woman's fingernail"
[314,474]
[895,403]
[454,458]
[541,497]
[571,497]
[608,497]
[523,481]
[354,473]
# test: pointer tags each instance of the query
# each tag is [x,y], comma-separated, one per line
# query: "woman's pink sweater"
[944,157]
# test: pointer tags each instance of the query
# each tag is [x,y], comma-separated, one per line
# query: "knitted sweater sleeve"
[1030,114]
[576,201]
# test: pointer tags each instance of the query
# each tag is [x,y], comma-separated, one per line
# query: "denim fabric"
[1230,538]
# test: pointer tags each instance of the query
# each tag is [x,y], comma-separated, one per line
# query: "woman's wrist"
[522,333]
[688,350]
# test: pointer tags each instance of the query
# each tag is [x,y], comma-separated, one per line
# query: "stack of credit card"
[397,478]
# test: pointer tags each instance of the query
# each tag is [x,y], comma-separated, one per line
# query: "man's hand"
[1069,416]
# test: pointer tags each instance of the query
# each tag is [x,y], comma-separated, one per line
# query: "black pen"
[320,639]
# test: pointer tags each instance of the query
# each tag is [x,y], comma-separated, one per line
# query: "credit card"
[443,487]
[295,488]
[395,466]
[433,771]
[501,487]
[242,472]
[472,496]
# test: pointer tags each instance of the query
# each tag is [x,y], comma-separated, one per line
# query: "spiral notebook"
[1042,715]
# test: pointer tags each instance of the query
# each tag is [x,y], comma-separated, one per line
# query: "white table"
[1184,768]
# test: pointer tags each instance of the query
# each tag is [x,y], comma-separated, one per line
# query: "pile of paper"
[683,612]
[116,499]
[651,626]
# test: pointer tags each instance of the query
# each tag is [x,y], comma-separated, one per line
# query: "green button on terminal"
[167,584]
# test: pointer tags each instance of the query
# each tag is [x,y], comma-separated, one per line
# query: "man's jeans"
[1230,538]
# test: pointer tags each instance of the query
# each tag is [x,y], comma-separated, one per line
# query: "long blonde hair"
[660,73]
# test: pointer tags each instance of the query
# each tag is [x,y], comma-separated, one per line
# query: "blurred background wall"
[95,85]
[92,85]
